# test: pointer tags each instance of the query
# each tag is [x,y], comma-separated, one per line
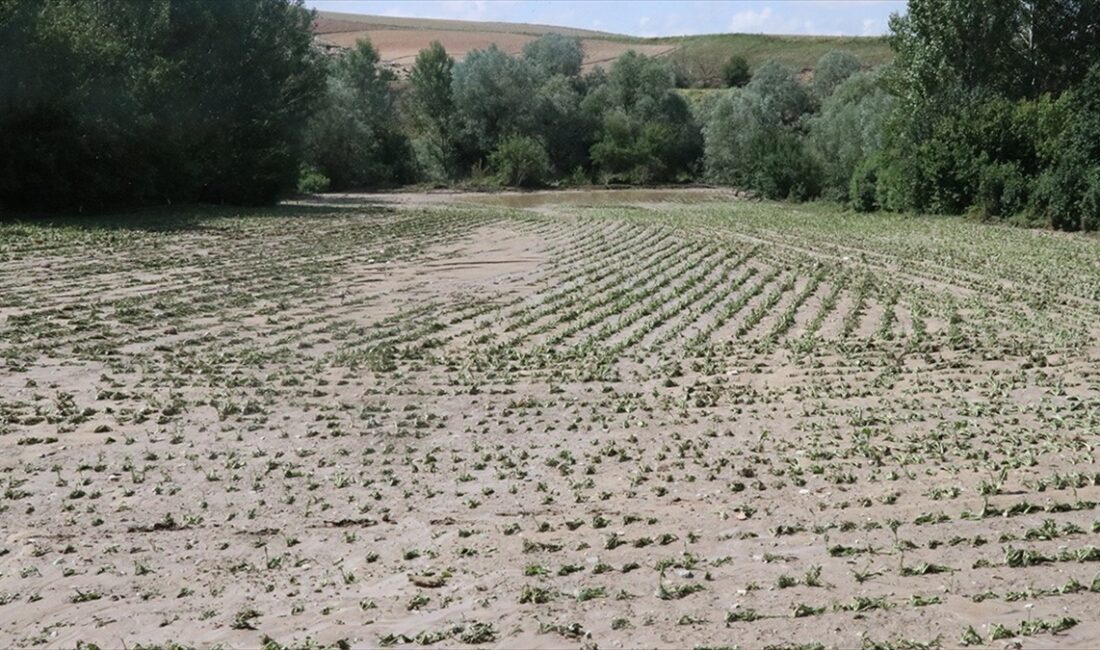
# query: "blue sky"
[651,17]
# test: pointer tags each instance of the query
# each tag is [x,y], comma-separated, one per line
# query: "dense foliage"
[991,107]
[353,139]
[995,111]
[118,102]
[536,118]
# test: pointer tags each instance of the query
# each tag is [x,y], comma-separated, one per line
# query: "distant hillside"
[705,55]
[398,40]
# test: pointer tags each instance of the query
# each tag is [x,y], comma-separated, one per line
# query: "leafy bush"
[520,161]
[353,139]
[832,69]
[1090,201]
[1056,196]
[312,181]
[784,168]
[848,130]
[1002,190]
[863,189]
[646,130]
[736,72]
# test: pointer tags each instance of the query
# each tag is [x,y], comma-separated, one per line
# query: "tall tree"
[432,102]
[354,139]
[117,102]
[494,96]
[831,70]
[1016,48]
[647,133]
[555,54]
[246,79]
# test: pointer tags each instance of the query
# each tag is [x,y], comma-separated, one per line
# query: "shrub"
[633,151]
[1002,190]
[1090,201]
[784,168]
[312,181]
[521,161]
[863,190]
[848,130]
[774,162]
[1056,196]
[832,69]
[577,179]
[736,72]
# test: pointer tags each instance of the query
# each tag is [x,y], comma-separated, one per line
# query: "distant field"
[399,39]
[799,52]
[582,419]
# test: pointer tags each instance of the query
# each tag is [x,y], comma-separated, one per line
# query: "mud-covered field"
[665,420]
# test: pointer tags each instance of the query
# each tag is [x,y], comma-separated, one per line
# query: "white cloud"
[643,21]
[751,21]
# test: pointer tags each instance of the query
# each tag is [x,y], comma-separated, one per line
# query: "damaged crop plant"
[608,417]
[604,425]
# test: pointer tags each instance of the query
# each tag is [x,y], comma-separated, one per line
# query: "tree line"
[524,120]
[990,107]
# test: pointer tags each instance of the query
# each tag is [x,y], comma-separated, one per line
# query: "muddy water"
[600,197]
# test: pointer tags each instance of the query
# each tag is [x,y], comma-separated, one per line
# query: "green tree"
[1067,193]
[849,129]
[555,54]
[432,103]
[242,80]
[831,70]
[117,102]
[970,79]
[566,130]
[520,161]
[781,92]
[736,72]
[647,132]
[1016,48]
[354,139]
[1061,39]
[494,96]
[753,137]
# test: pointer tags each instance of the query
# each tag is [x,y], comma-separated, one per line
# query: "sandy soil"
[535,420]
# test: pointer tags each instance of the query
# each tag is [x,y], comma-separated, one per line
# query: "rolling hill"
[399,39]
